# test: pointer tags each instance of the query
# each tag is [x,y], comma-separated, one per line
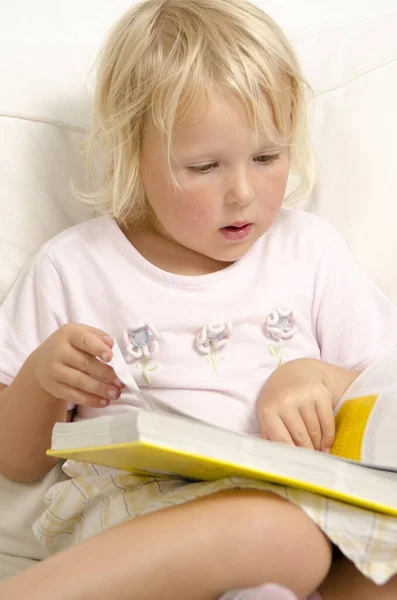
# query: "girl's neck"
[166,254]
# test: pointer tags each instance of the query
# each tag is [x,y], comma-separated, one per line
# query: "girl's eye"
[264,159]
[203,168]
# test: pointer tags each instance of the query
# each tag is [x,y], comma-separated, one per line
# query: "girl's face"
[225,190]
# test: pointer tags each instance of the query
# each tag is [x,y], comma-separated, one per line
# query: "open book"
[361,469]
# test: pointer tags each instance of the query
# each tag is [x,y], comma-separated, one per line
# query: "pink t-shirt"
[202,346]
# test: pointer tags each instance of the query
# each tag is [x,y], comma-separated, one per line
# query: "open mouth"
[236,227]
[237,231]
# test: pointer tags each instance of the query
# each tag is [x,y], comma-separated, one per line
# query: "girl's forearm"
[337,379]
[27,416]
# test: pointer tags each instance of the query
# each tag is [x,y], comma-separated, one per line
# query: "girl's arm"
[64,369]
[337,379]
[27,416]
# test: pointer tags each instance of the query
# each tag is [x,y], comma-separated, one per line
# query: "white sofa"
[348,51]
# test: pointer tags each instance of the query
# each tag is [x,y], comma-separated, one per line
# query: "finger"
[297,429]
[107,340]
[327,423]
[99,332]
[75,396]
[85,363]
[312,423]
[105,337]
[90,343]
[275,430]
[85,383]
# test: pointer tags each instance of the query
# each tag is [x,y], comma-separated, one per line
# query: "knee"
[283,544]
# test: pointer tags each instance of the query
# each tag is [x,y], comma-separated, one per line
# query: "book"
[361,468]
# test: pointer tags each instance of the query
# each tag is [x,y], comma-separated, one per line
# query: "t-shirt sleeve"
[355,322]
[34,308]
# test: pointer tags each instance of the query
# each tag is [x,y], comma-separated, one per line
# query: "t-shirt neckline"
[183,280]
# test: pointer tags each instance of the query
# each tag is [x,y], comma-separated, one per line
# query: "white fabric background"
[349,54]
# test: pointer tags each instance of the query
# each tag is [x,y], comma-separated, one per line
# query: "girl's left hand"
[296,404]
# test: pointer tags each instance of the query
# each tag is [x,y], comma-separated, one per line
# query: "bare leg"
[345,582]
[199,550]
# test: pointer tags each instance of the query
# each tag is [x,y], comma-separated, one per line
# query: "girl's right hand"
[71,366]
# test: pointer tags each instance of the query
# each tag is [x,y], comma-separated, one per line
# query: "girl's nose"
[240,190]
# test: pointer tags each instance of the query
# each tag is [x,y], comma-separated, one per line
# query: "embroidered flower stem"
[145,368]
[212,358]
[277,352]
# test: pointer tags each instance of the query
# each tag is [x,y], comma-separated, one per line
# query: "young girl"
[227,307]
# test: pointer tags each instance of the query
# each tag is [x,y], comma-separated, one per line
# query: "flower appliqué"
[141,342]
[210,339]
[280,325]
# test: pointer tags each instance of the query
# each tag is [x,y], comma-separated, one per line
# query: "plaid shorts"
[94,498]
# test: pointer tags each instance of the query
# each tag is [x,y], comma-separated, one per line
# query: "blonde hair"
[164,55]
